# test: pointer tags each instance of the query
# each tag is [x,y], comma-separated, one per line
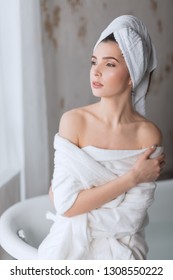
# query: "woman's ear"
[130,82]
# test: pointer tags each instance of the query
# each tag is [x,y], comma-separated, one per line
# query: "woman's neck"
[115,111]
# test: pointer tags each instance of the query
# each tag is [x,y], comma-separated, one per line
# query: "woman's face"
[109,75]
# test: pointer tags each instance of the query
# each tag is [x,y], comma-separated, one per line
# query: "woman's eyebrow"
[106,57]
[111,57]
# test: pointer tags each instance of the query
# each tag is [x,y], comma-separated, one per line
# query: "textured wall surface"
[70,30]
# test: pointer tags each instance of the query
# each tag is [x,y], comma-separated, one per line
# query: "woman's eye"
[111,64]
[93,62]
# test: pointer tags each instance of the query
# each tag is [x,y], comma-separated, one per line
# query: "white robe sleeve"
[128,217]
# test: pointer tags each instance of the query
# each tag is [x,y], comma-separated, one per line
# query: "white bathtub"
[27,219]
[159,232]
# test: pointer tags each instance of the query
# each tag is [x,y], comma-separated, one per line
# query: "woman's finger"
[149,152]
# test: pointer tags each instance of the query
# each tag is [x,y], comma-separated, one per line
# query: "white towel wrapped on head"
[138,51]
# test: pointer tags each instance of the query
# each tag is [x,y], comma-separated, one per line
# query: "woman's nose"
[97,71]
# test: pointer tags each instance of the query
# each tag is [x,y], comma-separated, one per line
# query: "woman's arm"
[144,170]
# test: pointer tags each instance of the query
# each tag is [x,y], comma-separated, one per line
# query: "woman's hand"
[147,169]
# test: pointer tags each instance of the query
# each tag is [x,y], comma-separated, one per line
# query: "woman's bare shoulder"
[149,134]
[72,123]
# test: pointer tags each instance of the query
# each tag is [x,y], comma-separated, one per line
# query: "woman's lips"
[97,85]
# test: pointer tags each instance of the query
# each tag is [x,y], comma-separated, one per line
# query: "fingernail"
[154,146]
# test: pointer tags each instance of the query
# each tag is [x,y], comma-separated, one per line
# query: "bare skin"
[111,124]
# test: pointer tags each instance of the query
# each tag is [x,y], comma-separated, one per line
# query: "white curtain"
[10,91]
[23,113]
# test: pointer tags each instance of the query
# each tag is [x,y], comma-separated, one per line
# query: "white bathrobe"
[113,231]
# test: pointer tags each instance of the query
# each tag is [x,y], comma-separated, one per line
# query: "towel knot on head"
[139,53]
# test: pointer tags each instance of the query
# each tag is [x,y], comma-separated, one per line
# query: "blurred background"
[45,50]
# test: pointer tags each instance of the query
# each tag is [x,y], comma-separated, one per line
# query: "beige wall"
[70,29]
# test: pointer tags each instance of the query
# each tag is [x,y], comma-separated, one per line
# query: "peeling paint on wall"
[56,16]
[167,68]
[51,21]
[62,103]
[105,5]
[44,6]
[154,5]
[160,25]
[75,3]
[82,31]
[165,72]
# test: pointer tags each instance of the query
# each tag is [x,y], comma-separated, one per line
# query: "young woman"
[103,180]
